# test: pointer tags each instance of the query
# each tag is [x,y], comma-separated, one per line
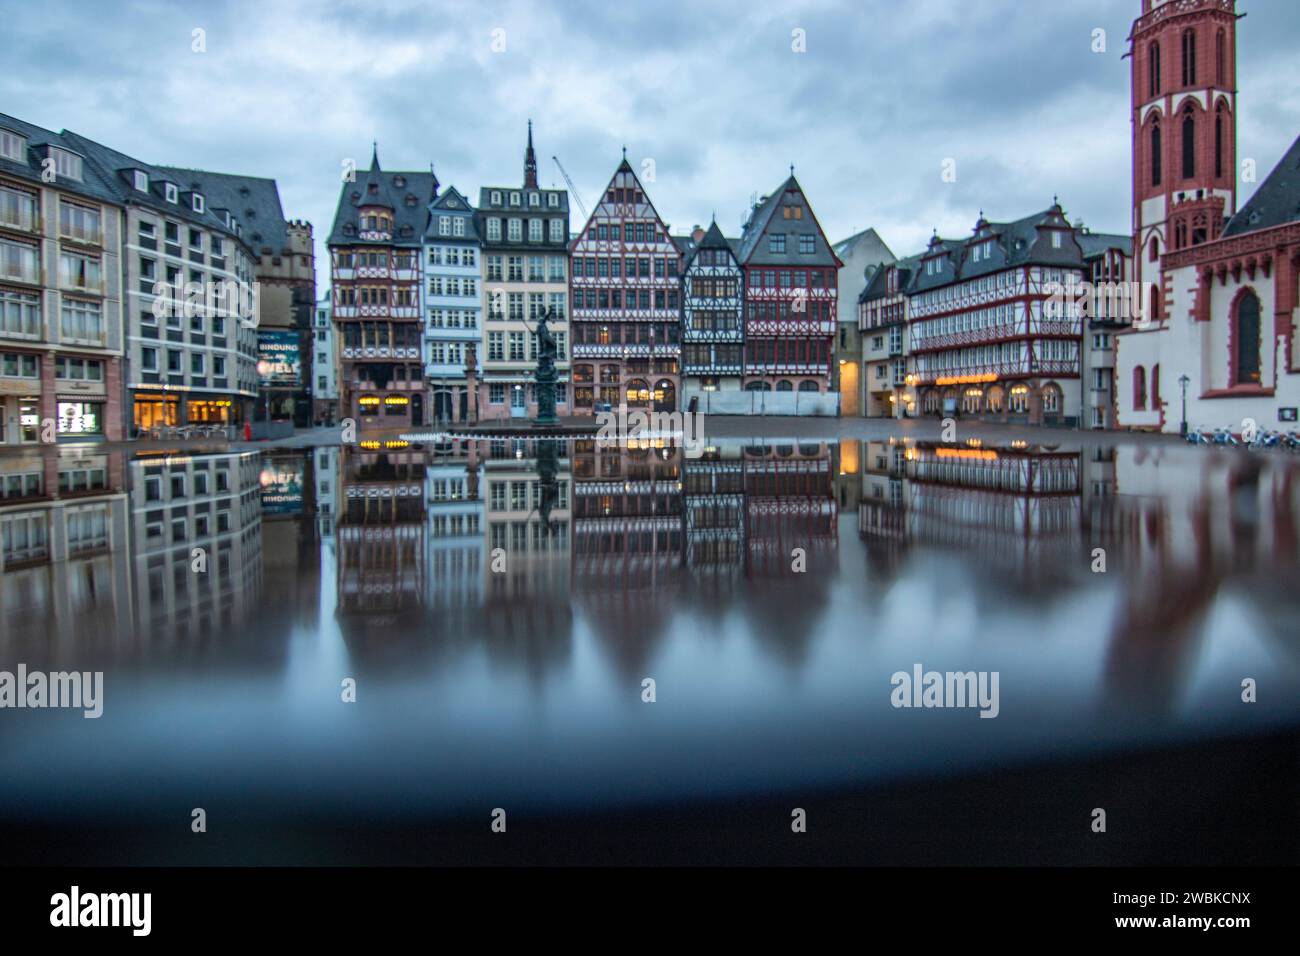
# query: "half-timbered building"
[375,277]
[791,290]
[712,317]
[626,303]
[984,339]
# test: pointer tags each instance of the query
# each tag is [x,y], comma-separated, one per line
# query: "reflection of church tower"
[1183,55]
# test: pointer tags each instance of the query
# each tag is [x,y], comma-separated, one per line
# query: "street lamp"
[1182,428]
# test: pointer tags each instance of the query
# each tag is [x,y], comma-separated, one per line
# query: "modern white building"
[325,390]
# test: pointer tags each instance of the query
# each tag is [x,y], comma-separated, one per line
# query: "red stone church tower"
[1184,87]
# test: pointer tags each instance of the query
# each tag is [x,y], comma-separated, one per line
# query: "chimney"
[697,233]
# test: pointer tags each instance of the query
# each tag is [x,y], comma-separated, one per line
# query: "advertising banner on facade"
[279,363]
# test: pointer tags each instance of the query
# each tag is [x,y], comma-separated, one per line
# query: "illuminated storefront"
[80,418]
[152,409]
[208,411]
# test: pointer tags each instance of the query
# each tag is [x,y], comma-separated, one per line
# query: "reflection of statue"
[545,378]
[548,454]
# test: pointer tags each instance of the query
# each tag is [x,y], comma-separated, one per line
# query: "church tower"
[1184,90]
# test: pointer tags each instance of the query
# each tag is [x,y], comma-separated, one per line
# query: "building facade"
[284,266]
[450,296]
[375,247]
[525,250]
[713,317]
[984,339]
[861,253]
[61,327]
[882,326]
[791,291]
[626,303]
[325,390]
[1219,349]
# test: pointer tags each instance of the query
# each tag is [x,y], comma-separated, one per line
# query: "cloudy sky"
[713,92]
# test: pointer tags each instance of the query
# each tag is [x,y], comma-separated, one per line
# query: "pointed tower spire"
[374,154]
[530,161]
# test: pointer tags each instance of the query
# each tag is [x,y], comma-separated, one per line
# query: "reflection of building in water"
[789,503]
[628,542]
[63,546]
[454,505]
[290,547]
[380,533]
[627,518]
[713,501]
[516,474]
[1010,503]
[1178,535]
[183,502]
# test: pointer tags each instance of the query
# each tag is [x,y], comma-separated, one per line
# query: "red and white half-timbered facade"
[791,287]
[625,291]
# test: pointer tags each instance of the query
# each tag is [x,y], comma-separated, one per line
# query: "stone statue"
[545,378]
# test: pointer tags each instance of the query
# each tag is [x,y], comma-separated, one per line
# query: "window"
[140,179]
[1189,144]
[66,164]
[20,314]
[196,201]
[1139,388]
[1155,154]
[170,192]
[1220,68]
[515,231]
[1218,142]
[807,244]
[776,244]
[496,394]
[18,261]
[557,229]
[1246,340]
[17,209]
[13,146]
[82,321]
[534,230]
[1189,57]
[79,222]
[149,359]
[1153,68]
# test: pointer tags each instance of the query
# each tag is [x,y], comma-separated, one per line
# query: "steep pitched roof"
[752,250]
[451,201]
[407,194]
[1276,201]
[712,239]
[253,200]
[94,184]
[115,167]
[876,289]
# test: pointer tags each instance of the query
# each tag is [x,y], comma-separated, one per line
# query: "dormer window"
[553,201]
[196,201]
[399,182]
[140,179]
[66,164]
[514,199]
[534,199]
[496,198]
[13,146]
[170,192]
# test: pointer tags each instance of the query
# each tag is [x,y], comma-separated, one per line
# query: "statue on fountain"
[544,381]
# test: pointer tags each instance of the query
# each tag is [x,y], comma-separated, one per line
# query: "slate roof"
[94,184]
[868,237]
[1276,201]
[1095,243]
[754,252]
[407,194]
[713,239]
[906,267]
[452,202]
[116,167]
[253,200]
